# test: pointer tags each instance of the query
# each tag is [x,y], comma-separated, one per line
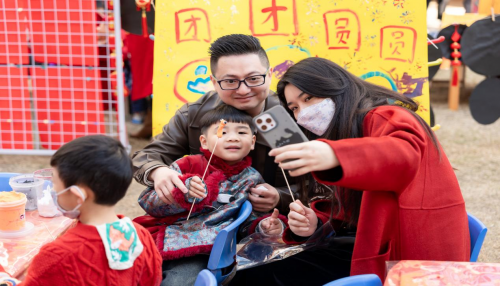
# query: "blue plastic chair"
[4,181]
[477,232]
[205,278]
[224,251]
[365,280]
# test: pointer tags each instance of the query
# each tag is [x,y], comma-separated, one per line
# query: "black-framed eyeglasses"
[233,84]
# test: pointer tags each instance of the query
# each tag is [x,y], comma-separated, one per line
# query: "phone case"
[278,128]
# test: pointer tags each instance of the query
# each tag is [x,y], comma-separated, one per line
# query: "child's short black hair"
[98,162]
[226,112]
[236,44]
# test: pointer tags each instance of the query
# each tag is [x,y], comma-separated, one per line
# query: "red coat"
[141,63]
[412,207]
[78,258]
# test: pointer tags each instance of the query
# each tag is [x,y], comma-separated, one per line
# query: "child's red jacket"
[78,258]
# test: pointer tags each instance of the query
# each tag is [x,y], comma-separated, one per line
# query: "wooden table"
[442,273]
[16,254]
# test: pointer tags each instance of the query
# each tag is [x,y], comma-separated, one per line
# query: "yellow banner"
[381,41]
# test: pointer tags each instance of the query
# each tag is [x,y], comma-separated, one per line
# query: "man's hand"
[264,200]
[302,220]
[272,224]
[197,188]
[165,180]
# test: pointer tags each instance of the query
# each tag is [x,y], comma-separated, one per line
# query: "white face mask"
[317,117]
[74,213]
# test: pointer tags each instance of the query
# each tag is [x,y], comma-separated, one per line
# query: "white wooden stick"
[287,184]
[208,164]
[53,238]
[432,43]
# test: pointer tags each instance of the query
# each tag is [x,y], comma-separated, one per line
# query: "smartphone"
[278,128]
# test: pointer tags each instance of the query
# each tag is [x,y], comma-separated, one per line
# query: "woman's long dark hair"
[353,98]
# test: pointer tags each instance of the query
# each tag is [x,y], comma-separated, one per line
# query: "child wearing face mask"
[91,174]
[185,244]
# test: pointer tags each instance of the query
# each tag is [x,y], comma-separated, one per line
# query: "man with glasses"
[241,76]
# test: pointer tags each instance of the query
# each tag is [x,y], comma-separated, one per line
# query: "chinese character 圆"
[398,43]
[273,18]
[343,30]
[192,25]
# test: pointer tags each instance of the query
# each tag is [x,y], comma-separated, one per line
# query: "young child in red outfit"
[91,174]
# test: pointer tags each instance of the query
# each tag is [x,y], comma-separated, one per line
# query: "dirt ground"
[472,149]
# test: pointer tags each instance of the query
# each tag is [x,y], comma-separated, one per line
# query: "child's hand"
[302,220]
[272,225]
[197,188]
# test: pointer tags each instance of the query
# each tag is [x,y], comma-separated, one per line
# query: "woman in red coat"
[390,176]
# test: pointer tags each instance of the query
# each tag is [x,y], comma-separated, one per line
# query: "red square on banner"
[15,109]
[64,32]
[68,104]
[13,34]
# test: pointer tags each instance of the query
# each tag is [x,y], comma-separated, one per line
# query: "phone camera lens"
[259,121]
[264,127]
[268,120]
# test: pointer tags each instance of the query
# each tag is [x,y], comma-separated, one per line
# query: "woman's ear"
[203,141]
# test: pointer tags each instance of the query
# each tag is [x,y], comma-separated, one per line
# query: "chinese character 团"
[192,25]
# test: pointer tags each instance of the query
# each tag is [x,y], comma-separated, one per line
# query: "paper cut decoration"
[383,42]
[480,52]
[484,102]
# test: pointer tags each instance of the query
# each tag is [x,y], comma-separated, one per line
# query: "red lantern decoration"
[453,97]
[144,5]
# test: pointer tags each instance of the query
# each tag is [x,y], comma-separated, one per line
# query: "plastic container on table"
[46,195]
[12,211]
[28,185]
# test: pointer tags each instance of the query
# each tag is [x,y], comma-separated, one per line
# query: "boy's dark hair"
[98,162]
[228,113]
[236,44]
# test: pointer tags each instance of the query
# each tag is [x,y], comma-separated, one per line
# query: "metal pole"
[119,75]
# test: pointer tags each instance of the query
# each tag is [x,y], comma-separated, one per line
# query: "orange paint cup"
[12,212]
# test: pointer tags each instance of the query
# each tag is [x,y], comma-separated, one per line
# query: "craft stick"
[493,13]
[53,238]
[288,185]
[435,63]
[429,41]
[435,41]
[436,127]
[219,135]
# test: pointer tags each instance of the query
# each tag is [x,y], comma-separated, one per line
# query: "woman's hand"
[264,198]
[302,220]
[307,157]
[272,224]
